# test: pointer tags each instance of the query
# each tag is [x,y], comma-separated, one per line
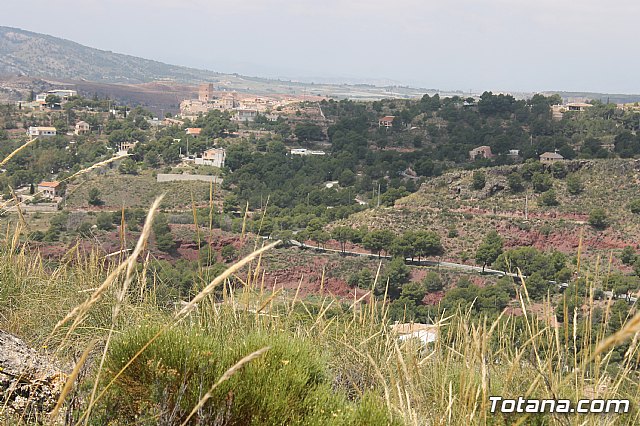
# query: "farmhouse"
[551,157]
[49,189]
[481,152]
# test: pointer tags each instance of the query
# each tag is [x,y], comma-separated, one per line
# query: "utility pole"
[378,195]
[526,207]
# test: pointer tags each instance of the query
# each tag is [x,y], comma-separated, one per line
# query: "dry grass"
[446,382]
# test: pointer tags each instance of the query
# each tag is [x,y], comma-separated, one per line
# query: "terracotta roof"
[193,130]
[388,118]
[46,129]
[53,184]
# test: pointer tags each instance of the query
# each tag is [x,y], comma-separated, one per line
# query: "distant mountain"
[38,55]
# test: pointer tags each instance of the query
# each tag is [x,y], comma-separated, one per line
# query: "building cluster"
[63,94]
[484,152]
[81,128]
[242,109]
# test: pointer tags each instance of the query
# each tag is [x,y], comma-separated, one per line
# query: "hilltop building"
[205,92]
[557,111]
[63,94]
[551,157]
[481,152]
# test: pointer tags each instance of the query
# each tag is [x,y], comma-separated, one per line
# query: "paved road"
[445,265]
[454,266]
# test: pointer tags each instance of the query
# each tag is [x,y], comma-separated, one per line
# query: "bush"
[432,282]
[558,170]
[229,253]
[479,180]
[104,221]
[549,198]
[128,167]
[514,180]
[94,197]
[634,206]
[541,182]
[598,218]
[289,384]
[628,256]
[575,186]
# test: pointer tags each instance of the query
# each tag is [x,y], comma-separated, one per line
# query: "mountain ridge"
[28,53]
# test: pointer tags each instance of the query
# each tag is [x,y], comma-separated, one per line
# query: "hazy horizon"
[461,45]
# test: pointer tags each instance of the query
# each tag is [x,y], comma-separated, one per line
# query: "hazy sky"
[526,45]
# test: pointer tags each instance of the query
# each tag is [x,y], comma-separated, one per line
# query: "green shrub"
[479,180]
[598,218]
[634,206]
[549,198]
[289,384]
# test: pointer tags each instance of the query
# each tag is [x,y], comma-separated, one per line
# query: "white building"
[245,115]
[49,189]
[304,151]
[212,157]
[61,93]
[125,147]
[35,132]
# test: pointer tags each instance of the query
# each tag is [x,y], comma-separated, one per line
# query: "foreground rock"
[30,384]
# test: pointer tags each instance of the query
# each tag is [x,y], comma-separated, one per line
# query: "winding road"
[452,266]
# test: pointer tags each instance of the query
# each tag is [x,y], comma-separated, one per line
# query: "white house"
[35,132]
[125,147]
[48,189]
[304,151]
[63,94]
[212,157]
[245,115]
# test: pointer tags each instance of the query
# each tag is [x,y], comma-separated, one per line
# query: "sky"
[470,45]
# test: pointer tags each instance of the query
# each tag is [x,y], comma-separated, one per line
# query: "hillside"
[462,215]
[25,53]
